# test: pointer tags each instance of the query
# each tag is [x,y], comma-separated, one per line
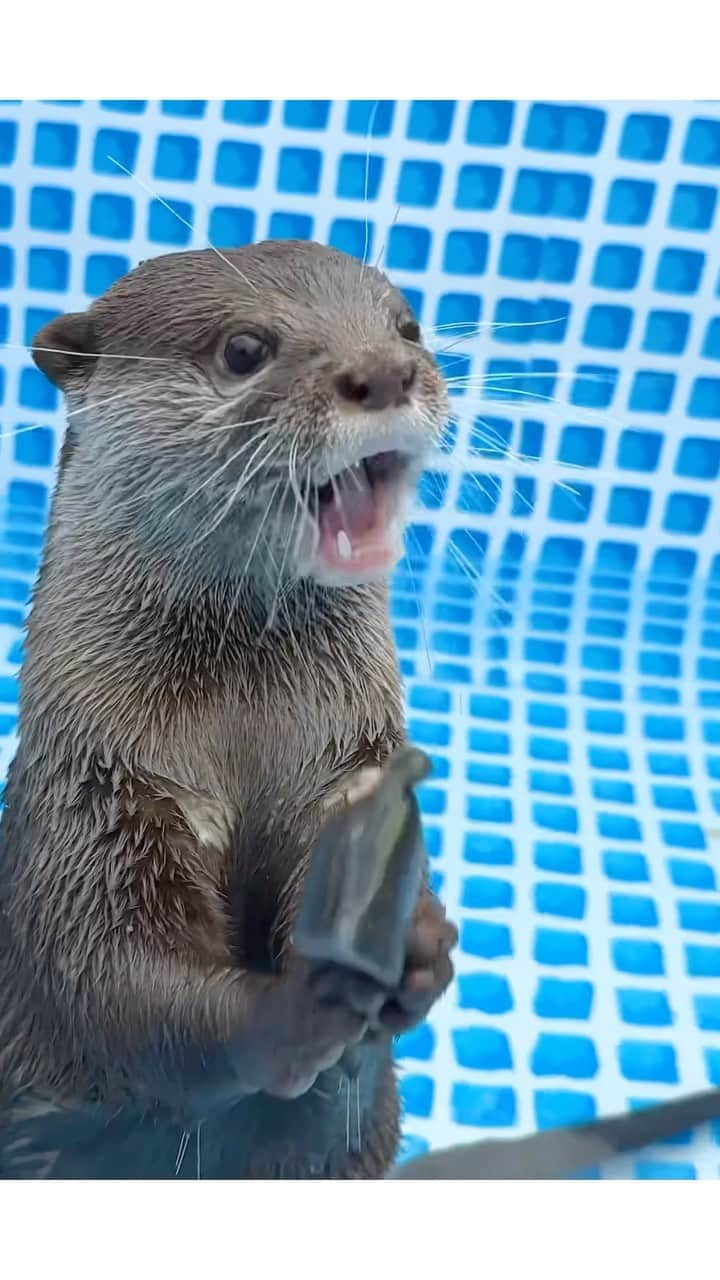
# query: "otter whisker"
[500,446]
[368,137]
[497,482]
[21,431]
[463,330]
[302,503]
[464,561]
[218,471]
[73,413]
[291,539]
[312,506]
[485,325]
[493,481]
[270,555]
[473,325]
[292,473]
[241,579]
[313,513]
[353,477]
[489,440]
[473,574]
[87,355]
[536,398]
[215,428]
[491,449]
[259,530]
[210,428]
[490,432]
[497,393]
[489,326]
[530,373]
[277,583]
[421,619]
[384,245]
[435,428]
[357,1113]
[242,484]
[261,525]
[181,1151]
[506,453]
[299,507]
[120,395]
[271,570]
[180,218]
[203,485]
[519,496]
[301,512]
[249,474]
[338,499]
[263,434]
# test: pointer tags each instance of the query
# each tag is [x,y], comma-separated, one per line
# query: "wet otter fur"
[209,664]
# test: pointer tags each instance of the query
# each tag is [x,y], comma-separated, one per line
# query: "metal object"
[563,1153]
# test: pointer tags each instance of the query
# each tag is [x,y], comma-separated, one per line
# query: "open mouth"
[358,514]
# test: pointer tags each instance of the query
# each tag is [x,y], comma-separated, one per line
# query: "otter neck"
[121,640]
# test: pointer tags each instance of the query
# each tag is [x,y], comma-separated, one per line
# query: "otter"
[209,674]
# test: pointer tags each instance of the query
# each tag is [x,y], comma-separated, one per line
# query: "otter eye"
[245,352]
[408,328]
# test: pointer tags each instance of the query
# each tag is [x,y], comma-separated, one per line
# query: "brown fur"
[189,703]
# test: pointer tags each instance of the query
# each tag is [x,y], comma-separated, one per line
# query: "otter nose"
[377,385]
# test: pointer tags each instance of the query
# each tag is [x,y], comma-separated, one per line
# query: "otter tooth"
[344,545]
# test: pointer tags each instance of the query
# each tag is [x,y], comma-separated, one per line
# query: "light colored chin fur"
[324,576]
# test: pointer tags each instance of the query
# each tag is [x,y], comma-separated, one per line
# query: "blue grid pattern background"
[558,611]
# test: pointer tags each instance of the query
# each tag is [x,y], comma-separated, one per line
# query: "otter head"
[268,410]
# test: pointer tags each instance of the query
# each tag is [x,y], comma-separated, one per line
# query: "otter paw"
[428,967]
[312,1018]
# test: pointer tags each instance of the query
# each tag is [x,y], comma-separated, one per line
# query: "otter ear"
[65,348]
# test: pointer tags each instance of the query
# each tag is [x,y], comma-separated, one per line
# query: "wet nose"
[377,385]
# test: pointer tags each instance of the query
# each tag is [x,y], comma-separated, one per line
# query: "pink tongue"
[353,526]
